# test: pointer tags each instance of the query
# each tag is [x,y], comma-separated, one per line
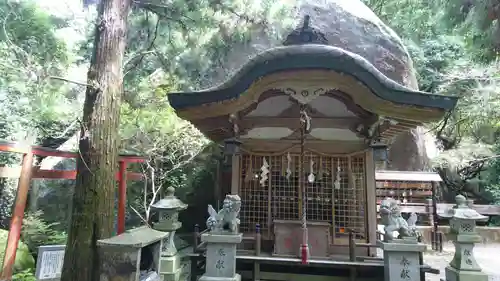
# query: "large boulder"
[348,24]
[351,25]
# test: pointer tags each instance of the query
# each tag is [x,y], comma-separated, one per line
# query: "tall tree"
[94,196]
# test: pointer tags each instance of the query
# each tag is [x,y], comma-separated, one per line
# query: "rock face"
[351,25]
[348,24]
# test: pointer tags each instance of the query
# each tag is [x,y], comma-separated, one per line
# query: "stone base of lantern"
[402,259]
[174,268]
[453,274]
[221,256]
[170,268]
[236,277]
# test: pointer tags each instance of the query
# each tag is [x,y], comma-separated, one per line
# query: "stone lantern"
[380,153]
[168,209]
[463,233]
[232,146]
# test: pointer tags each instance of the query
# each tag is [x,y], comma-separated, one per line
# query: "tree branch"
[150,7]
[143,53]
[72,82]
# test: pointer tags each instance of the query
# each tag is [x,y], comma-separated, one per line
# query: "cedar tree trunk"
[94,197]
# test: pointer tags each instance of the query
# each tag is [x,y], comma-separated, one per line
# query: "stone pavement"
[487,256]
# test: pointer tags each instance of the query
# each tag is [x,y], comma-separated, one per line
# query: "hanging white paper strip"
[264,169]
[336,184]
[288,169]
[311,177]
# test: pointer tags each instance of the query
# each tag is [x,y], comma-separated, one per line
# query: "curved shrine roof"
[311,56]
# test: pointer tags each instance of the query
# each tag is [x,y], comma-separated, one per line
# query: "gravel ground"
[487,256]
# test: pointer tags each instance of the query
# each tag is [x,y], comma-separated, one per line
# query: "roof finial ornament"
[306,35]
[307,20]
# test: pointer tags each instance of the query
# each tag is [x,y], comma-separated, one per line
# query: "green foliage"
[25,275]
[32,32]
[37,232]
[33,104]
[454,44]
[24,259]
[179,47]
[189,40]
[477,21]
[433,57]
[30,54]
[412,20]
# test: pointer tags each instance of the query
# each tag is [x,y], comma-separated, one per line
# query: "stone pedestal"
[221,256]
[402,259]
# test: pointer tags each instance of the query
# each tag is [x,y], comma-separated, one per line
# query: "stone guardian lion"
[392,220]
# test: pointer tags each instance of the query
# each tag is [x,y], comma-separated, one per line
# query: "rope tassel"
[305,122]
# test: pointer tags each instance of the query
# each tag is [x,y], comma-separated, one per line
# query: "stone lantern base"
[174,268]
[453,274]
[170,268]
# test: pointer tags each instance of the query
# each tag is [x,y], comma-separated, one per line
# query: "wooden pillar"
[217,189]
[371,201]
[16,221]
[429,209]
[122,196]
[33,195]
[235,174]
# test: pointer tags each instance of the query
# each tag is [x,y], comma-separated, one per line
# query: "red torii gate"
[27,172]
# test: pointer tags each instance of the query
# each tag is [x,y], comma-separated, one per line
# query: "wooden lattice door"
[336,196]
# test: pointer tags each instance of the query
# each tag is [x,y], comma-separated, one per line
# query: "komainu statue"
[392,220]
[226,220]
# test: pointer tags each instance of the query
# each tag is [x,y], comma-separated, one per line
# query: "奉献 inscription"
[405,270]
[219,265]
[222,253]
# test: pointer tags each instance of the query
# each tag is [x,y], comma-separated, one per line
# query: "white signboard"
[50,262]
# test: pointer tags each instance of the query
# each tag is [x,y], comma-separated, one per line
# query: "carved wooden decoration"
[305,95]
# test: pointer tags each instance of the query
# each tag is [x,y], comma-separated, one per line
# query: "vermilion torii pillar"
[27,172]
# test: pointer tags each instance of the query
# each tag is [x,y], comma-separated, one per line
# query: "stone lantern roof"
[169,202]
[462,211]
